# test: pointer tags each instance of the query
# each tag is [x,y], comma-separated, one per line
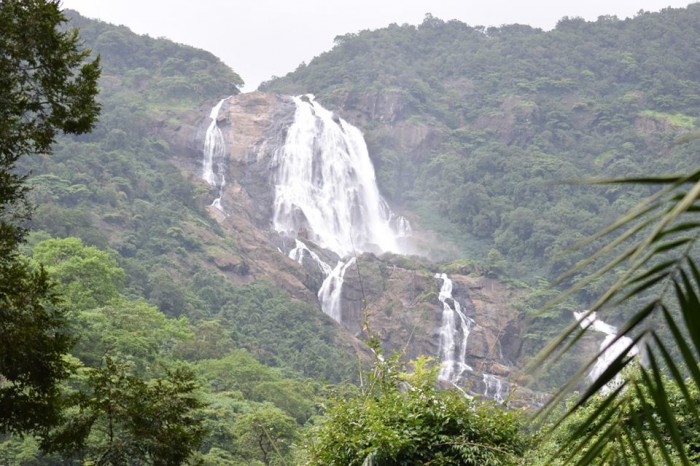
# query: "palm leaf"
[651,248]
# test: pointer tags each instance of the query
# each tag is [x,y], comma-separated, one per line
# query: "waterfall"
[454,333]
[300,251]
[590,320]
[494,387]
[214,162]
[330,292]
[325,185]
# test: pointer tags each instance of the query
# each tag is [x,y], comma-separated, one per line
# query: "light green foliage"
[239,372]
[676,119]
[402,418]
[88,277]
[18,450]
[133,329]
[266,434]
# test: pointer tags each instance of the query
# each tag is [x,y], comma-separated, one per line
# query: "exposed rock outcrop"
[393,297]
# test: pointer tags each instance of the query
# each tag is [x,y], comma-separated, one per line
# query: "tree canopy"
[46,87]
[403,418]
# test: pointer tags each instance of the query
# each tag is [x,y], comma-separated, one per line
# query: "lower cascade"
[495,387]
[610,352]
[330,292]
[301,251]
[454,334]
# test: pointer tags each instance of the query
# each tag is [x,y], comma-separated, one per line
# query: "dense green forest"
[482,126]
[506,114]
[120,229]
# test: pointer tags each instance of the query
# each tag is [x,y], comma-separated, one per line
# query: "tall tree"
[46,87]
[123,419]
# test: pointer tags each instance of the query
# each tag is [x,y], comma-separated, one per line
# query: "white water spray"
[612,352]
[330,293]
[454,334]
[325,184]
[494,387]
[214,162]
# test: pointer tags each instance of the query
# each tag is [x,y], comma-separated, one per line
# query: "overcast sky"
[262,38]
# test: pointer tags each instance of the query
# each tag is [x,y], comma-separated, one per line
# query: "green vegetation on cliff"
[472,129]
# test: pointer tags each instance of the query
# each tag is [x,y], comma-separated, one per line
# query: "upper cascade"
[325,186]
[214,155]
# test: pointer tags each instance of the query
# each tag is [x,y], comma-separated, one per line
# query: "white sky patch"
[264,38]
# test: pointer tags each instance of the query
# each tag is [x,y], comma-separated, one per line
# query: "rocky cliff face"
[393,297]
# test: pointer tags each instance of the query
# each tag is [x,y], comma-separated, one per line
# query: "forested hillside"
[126,236]
[118,189]
[177,312]
[472,129]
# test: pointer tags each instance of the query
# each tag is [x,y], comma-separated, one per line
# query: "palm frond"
[653,250]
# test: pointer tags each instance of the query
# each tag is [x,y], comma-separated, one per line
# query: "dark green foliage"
[284,332]
[119,418]
[33,341]
[403,419]
[46,87]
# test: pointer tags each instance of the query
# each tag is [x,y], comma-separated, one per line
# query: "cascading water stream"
[494,387]
[454,334]
[330,292]
[325,186]
[610,352]
[214,162]
[325,183]
[301,250]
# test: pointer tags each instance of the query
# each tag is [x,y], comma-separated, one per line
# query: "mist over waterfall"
[214,161]
[325,186]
